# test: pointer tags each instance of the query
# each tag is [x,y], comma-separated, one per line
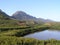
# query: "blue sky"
[47,9]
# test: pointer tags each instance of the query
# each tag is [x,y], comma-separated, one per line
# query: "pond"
[45,35]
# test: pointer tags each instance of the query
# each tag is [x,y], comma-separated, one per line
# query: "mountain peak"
[19,13]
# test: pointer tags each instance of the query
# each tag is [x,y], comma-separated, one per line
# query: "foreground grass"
[12,40]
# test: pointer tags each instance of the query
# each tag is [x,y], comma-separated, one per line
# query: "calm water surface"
[45,35]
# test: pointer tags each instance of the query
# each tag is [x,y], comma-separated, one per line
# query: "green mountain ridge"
[5,20]
[21,16]
[3,15]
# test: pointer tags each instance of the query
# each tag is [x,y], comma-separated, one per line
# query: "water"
[45,35]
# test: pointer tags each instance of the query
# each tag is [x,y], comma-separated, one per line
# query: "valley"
[14,28]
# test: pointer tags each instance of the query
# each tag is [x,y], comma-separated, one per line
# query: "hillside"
[3,15]
[6,21]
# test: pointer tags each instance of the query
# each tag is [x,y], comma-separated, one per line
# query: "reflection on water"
[44,35]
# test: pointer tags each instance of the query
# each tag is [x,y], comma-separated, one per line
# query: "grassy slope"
[54,25]
[9,40]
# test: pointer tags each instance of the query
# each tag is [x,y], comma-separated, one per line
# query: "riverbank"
[22,32]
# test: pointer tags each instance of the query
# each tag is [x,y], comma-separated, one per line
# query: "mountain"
[45,20]
[3,15]
[20,15]
[6,21]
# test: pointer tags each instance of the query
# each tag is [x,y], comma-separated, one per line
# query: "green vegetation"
[21,32]
[54,25]
[12,31]
[12,27]
[9,40]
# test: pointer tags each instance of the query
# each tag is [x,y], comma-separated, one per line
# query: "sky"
[47,9]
